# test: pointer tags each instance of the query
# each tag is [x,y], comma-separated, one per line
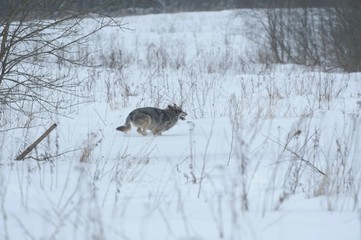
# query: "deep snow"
[235,169]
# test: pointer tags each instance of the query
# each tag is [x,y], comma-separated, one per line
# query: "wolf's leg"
[143,132]
[142,122]
[156,131]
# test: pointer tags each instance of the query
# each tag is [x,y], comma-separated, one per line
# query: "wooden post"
[32,146]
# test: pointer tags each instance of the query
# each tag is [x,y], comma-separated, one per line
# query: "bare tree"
[329,37]
[34,36]
[344,28]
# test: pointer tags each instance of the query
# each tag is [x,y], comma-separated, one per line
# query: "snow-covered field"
[266,152]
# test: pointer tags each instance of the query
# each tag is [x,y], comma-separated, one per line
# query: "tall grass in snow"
[280,143]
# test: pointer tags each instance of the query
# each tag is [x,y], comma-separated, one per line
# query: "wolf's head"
[178,110]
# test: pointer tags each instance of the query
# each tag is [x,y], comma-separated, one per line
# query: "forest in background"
[129,7]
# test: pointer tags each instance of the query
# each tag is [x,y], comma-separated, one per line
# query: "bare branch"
[31,43]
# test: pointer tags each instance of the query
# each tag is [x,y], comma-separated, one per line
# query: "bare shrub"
[345,34]
[157,56]
[93,140]
[319,164]
[30,44]
[165,55]
[240,155]
[328,37]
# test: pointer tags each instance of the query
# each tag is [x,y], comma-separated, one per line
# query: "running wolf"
[155,119]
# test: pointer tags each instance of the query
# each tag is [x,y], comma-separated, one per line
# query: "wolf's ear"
[175,105]
[169,106]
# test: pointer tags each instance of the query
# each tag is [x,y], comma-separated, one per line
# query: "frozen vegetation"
[266,152]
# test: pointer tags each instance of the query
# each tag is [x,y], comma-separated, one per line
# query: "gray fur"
[155,119]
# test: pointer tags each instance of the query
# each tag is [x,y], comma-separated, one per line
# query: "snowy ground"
[266,152]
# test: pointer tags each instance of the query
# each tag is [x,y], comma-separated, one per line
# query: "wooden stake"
[32,146]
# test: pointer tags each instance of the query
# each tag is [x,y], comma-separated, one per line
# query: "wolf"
[155,119]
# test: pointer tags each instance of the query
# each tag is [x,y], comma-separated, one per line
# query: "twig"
[52,156]
[204,160]
[308,163]
[37,141]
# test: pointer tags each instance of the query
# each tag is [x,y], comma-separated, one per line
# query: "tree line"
[328,37]
[153,6]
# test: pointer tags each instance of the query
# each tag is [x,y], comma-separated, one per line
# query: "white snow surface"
[265,153]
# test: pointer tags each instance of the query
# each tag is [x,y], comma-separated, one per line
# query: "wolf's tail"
[126,127]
